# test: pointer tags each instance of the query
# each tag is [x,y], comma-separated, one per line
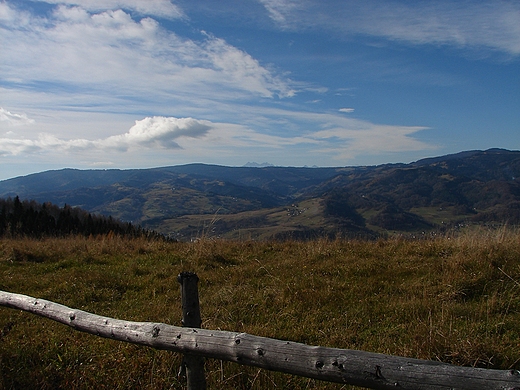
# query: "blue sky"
[96,84]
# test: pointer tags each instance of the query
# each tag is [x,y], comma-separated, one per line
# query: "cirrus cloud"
[98,52]
[483,24]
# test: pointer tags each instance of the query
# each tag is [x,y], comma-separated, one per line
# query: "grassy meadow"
[454,298]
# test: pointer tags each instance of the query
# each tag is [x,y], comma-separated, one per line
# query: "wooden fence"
[366,369]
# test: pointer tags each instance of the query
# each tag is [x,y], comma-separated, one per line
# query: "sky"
[102,84]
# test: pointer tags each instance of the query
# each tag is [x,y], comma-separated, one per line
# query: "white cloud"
[491,24]
[338,137]
[12,17]
[242,70]
[13,119]
[15,147]
[158,132]
[7,14]
[159,8]
[100,65]
[151,133]
[109,53]
[278,9]
[335,137]
[349,142]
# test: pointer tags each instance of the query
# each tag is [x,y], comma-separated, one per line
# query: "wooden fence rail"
[366,369]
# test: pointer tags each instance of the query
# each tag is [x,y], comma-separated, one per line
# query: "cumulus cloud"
[13,119]
[158,132]
[152,133]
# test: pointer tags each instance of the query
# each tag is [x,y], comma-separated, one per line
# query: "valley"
[187,202]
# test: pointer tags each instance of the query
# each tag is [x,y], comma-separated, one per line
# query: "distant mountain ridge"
[272,202]
[258,165]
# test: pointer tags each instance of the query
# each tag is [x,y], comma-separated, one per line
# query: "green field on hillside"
[454,298]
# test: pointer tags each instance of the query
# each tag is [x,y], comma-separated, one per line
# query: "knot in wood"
[319,364]
[335,363]
[260,352]
[155,331]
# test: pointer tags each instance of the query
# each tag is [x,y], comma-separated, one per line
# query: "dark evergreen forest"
[37,220]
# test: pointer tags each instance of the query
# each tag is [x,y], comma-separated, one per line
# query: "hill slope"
[195,199]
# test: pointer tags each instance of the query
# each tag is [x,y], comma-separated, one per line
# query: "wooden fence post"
[193,365]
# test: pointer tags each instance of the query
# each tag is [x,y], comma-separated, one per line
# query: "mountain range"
[269,202]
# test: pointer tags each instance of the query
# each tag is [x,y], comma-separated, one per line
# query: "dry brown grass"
[453,298]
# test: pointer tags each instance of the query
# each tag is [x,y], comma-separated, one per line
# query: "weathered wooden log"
[366,369]
[193,364]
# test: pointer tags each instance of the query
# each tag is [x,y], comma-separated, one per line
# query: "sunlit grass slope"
[454,299]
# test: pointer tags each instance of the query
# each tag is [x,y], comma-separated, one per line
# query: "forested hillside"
[31,219]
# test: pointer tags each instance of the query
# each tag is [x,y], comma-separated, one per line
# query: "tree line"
[32,219]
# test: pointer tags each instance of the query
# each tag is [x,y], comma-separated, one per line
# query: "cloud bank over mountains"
[169,134]
[132,83]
